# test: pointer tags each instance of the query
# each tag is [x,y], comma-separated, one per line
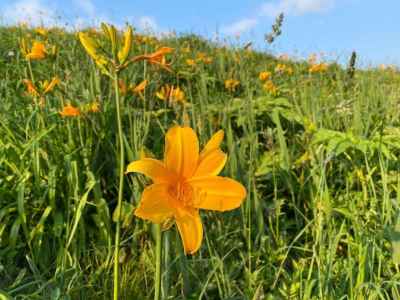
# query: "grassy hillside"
[316,146]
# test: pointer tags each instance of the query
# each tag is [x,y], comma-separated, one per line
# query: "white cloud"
[34,12]
[87,7]
[295,7]
[240,26]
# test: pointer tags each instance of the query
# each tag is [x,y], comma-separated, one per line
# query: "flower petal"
[181,151]
[191,231]
[152,168]
[217,193]
[214,143]
[211,164]
[156,204]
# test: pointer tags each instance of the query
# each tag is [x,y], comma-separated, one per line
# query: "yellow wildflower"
[231,84]
[42,31]
[270,87]
[49,86]
[265,75]
[157,58]
[37,52]
[186,181]
[190,62]
[140,87]
[318,68]
[70,111]
[30,87]
[281,68]
[171,94]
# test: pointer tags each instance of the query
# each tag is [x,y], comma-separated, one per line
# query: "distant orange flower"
[140,87]
[231,84]
[171,94]
[49,86]
[281,68]
[263,76]
[37,52]
[185,182]
[269,86]
[43,88]
[157,58]
[31,89]
[70,111]
[318,68]
[191,62]
[123,88]
[202,57]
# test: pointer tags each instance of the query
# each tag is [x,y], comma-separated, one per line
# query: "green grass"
[319,161]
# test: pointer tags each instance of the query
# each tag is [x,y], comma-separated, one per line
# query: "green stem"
[157,278]
[121,186]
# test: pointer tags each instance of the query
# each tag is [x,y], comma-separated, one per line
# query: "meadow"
[314,143]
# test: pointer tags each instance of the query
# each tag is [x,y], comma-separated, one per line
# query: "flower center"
[182,192]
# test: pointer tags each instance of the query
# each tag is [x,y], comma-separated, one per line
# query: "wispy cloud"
[295,7]
[34,12]
[240,26]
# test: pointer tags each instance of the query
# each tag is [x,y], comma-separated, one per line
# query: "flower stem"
[157,278]
[120,188]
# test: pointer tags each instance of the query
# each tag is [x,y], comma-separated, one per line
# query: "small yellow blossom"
[265,75]
[37,52]
[281,68]
[49,86]
[42,31]
[270,87]
[30,87]
[231,84]
[171,94]
[140,87]
[190,62]
[42,88]
[157,58]
[318,68]
[202,57]
[70,111]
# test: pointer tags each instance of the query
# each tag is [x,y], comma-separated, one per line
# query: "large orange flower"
[185,182]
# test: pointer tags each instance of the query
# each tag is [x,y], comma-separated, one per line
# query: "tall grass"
[319,161]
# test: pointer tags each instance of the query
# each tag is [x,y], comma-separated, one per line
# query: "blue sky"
[334,27]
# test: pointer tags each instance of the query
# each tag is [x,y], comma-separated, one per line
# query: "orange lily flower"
[186,181]
[316,68]
[31,89]
[37,52]
[231,84]
[265,75]
[171,94]
[157,58]
[269,86]
[70,111]
[190,62]
[123,88]
[140,87]
[49,86]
